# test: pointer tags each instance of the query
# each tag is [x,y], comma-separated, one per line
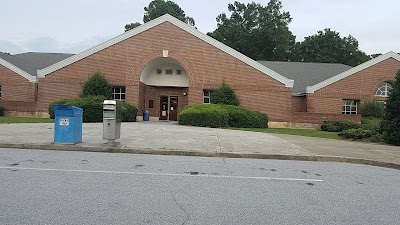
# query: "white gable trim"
[312,89]
[17,70]
[167,18]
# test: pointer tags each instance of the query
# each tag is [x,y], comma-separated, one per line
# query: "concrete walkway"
[171,138]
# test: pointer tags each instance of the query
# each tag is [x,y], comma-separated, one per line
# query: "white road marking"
[162,174]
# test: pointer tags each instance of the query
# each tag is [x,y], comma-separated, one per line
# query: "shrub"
[338,126]
[204,116]
[390,125]
[97,85]
[129,112]
[93,109]
[1,110]
[224,96]
[213,115]
[245,118]
[378,137]
[58,102]
[358,133]
[372,109]
[370,123]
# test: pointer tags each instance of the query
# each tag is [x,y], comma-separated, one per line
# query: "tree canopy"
[391,120]
[157,8]
[260,32]
[225,95]
[131,26]
[97,85]
[327,46]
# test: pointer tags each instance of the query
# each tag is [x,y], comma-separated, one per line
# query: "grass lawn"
[299,132]
[6,119]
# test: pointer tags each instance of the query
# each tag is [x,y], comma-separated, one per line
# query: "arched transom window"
[383,89]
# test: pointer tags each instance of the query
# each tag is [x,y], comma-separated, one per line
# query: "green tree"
[390,125]
[97,85]
[224,96]
[328,47]
[260,32]
[157,8]
[131,26]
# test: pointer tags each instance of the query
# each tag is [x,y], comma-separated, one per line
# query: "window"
[151,104]
[383,89]
[168,71]
[206,96]
[119,93]
[349,107]
[159,71]
[0,91]
[178,72]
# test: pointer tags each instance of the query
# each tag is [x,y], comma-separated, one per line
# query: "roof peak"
[180,24]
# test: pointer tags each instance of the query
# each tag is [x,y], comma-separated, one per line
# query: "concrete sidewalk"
[171,138]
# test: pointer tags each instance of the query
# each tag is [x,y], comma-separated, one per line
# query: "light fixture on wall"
[184,93]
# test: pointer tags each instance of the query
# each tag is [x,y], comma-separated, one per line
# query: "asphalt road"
[56,187]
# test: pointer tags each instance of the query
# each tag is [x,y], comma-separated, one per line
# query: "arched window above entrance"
[165,72]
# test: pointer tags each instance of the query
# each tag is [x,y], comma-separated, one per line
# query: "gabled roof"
[304,73]
[27,64]
[167,18]
[40,60]
[17,65]
[322,84]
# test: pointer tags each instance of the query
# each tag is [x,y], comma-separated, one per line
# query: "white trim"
[316,87]
[167,18]
[17,70]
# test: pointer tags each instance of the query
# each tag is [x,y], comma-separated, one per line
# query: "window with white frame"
[119,93]
[349,107]
[207,96]
[383,89]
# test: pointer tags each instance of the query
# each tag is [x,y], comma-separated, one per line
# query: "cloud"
[48,44]
[10,47]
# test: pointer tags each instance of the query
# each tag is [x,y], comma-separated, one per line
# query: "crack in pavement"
[184,211]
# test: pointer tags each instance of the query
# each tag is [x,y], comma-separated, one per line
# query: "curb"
[119,149]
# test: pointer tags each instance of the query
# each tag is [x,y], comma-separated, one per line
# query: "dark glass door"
[164,108]
[173,108]
[169,108]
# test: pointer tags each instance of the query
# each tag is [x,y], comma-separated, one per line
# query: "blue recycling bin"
[146,115]
[67,124]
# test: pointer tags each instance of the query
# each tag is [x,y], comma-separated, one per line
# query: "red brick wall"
[319,118]
[206,66]
[17,93]
[299,103]
[360,86]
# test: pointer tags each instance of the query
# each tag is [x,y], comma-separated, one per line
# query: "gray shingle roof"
[305,74]
[30,62]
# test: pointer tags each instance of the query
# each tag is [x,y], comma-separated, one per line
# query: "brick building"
[165,65]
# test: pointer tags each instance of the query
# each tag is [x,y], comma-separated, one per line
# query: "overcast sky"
[72,26]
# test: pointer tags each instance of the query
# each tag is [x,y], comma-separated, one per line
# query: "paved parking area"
[171,138]
[159,136]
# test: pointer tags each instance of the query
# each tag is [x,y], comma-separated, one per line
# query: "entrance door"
[173,108]
[169,108]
